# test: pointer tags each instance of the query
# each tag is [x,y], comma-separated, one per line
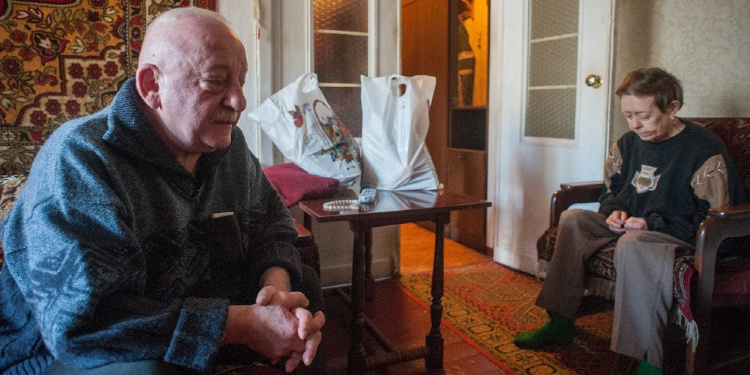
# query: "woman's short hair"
[656,82]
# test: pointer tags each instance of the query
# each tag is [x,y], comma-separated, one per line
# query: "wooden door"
[552,126]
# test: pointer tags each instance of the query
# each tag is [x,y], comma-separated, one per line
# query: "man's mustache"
[226,116]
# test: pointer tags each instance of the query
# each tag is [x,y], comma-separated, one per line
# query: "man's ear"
[147,83]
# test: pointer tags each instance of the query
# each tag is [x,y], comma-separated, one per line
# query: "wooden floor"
[403,321]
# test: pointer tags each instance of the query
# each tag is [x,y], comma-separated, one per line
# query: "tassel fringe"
[690,327]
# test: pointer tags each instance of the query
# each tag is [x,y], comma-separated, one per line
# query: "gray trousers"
[644,261]
[310,287]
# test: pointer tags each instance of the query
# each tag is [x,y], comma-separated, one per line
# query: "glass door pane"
[341,56]
[553,62]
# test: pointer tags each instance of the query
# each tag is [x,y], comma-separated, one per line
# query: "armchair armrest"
[720,224]
[571,193]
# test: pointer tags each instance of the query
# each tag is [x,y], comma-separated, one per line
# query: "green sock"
[558,331]
[645,368]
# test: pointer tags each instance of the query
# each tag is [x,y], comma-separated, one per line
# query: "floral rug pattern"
[487,304]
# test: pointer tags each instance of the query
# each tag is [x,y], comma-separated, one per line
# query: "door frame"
[508,74]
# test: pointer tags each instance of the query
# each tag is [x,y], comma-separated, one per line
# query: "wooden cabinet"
[467,174]
[457,138]
[424,29]
[466,152]
[467,128]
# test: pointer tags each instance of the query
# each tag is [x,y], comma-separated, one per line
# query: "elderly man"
[148,239]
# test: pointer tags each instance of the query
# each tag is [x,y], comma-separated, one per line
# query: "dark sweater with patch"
[111,254]
[672,183]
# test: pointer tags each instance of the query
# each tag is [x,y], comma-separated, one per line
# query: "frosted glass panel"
[340,58]
[347,105]
[553,62]
[346,15]
[554,114]
[553,17]
[553,67]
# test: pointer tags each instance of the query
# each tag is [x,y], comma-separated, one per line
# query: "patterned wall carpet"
[488,304]
[63,59]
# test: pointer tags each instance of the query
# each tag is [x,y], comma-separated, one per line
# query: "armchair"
[711,290]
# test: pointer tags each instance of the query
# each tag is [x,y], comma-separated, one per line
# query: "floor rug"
[487,304]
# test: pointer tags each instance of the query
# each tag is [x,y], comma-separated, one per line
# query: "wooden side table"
[392,208]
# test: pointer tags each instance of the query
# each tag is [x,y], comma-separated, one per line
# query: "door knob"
[593,80]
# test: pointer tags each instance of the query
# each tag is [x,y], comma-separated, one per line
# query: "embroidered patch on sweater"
[645,179]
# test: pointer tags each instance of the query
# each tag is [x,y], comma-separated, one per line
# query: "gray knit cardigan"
[111,253]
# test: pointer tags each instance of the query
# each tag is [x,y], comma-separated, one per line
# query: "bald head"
[173,33]
[190,75]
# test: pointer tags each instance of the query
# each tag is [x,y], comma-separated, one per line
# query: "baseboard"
[519,261]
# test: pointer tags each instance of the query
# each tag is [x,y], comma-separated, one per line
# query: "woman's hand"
[616,221]
[619,222]
[635,223]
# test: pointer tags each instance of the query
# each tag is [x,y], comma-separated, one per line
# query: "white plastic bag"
[303,127]
[394,129]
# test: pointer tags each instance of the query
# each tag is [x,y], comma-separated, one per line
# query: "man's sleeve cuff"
[198,333]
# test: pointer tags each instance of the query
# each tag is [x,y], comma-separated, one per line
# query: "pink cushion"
[294,184]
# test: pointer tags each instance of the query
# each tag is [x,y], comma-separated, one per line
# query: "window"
[341,54]
[553,62]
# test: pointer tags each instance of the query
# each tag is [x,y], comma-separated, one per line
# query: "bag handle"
[308,82]
[399,85]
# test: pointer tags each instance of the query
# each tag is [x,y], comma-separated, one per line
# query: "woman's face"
[647,120]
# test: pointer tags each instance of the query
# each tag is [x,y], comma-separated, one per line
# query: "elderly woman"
[660,180]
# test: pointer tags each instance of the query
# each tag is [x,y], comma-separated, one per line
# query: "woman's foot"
[645,368]
[558,331]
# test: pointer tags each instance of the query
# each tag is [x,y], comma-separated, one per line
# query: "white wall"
[275,60]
